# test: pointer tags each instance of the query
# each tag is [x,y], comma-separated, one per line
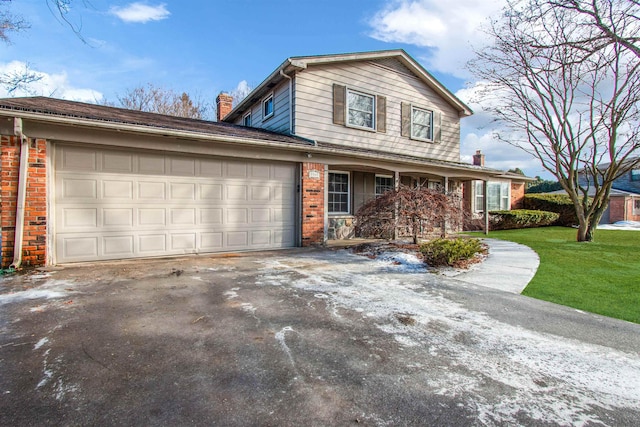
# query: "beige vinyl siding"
[279,122]
[314,109]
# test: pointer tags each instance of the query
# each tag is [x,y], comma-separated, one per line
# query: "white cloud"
[55,85]
[140,12]
[448,29]
[240,92]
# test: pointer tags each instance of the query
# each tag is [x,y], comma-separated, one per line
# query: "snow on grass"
[550,379]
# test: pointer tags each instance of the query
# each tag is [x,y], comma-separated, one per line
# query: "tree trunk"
[584,232]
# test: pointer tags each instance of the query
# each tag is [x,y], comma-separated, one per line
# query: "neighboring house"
[624,198]
[298,156]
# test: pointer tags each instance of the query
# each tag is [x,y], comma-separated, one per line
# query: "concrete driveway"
[302,337]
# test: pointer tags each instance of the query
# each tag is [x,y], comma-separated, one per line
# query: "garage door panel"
[118,217]
[211,216]
[180,216]
[152,217]
[211,191]
[183,241]
[182,191]
[117,162]
[210,168]
[117,189]
[120,246]
[152,190]
[76,218]
[79,248]
[77,159]
[152,243]
[79,188]
[182,167]
[128,204]
[151,164]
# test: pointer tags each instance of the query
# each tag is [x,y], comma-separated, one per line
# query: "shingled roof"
[72,109]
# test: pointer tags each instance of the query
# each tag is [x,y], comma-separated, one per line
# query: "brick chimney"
[478,158]
[224,105]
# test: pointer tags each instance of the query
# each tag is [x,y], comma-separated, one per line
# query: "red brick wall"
[517,195]
[312,204]
[35,220]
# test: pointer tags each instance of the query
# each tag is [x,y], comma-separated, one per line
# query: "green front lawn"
[602,276]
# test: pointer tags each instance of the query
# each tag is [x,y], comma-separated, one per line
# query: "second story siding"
[388,79]
[279,121]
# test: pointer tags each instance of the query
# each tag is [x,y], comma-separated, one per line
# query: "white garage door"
[122,204]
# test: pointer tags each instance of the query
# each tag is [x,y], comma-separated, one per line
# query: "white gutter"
[22,193]
[126,127]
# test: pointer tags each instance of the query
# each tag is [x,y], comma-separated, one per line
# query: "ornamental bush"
[451,252]
[559,203]
[520,218]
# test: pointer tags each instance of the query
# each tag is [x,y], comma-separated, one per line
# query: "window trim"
[375,181]
[431,114]
[374,110]
[636,206]
[264,104]
[348,193]
[244,119]
[502,198]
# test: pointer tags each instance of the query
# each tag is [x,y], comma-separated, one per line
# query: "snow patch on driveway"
[49,290]
[549,378]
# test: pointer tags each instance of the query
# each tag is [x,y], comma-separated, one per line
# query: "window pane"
[360,109]
[268,106]
[383,184]
[493,196]
[338,192]
[421,123]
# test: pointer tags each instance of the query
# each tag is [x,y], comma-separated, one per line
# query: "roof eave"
[301,62]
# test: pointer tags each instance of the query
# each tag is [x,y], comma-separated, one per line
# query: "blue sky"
[204,47]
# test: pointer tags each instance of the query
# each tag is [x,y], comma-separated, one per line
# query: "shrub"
[559,203]
[520,218]
[449,252]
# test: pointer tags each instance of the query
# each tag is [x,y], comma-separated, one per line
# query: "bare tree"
[11,23]
[416,211]
[159,100]
[568,92]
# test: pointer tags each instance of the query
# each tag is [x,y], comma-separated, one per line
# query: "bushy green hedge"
[439,252]
[520,218]
[558,203]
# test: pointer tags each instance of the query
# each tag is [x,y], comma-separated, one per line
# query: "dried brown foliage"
[412,211]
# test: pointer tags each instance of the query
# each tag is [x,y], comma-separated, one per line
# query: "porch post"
[485,199]
[396,186]
[445,190]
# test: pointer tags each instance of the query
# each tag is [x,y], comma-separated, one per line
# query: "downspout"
[291,130]
[22,193]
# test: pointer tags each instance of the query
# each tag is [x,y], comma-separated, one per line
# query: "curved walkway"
[509,267]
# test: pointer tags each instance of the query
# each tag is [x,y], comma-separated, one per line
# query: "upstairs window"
[421,124]
[246,120]
[635,174]
[267,107]
[338,192]
[384,183]
[360,109]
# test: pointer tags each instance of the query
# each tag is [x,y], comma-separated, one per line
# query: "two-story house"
[394,121]
[288,166]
